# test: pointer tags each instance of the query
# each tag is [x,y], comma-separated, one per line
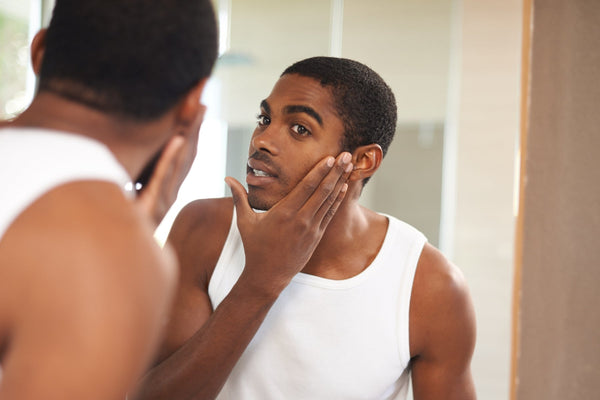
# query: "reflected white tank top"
[329,339]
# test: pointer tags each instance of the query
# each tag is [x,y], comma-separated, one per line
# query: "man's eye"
[300,130]
[263,120]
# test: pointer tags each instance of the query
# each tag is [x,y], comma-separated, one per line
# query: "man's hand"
[171,169]
[279,242]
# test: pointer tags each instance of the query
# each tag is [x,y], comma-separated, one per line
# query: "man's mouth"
[260,169]
[258,172]
[259,176]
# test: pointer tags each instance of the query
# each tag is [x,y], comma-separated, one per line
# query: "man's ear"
[38,47]
[366,160]
[189,106]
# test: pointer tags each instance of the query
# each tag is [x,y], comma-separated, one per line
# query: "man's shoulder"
[198,235]
[440,300]
[83,220]
[84,243]
[436,272]
[82,279]
[203,216]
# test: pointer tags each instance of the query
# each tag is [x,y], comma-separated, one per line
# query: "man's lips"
[260,173]
[260,169]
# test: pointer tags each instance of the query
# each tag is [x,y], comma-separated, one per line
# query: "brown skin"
[82,310]
[79,311]
[442,323]
[198,355]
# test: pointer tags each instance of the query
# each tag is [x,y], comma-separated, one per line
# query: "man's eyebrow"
[294,109]
[303,109]
[264,105]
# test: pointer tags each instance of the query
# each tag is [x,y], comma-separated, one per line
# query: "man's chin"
[258,203]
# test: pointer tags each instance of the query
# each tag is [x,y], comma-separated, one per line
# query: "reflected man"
[374,305]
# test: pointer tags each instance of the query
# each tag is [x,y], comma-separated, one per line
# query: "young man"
[84,289]
[374,303]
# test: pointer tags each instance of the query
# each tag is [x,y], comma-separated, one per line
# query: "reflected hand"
[278,243]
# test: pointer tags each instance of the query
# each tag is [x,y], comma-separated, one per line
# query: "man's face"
[297,127]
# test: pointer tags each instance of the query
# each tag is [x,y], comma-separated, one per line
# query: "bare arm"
[278,243]
[84,288]
[442,331]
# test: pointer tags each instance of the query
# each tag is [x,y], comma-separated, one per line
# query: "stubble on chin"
[256,202]
[264,199]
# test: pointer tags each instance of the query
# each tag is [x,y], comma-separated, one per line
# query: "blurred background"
[454,66]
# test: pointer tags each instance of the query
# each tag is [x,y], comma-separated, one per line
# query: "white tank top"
[34,161]
[329,339]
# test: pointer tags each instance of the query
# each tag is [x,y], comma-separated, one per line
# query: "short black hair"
[364,102]
[131,58]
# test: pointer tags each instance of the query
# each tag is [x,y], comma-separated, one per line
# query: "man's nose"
[266,139]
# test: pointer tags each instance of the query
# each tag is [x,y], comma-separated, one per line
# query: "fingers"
[240,198]
[329,209]
[306,187]
[324,175]
[169,162]
[332,203]
[326,192]
[180,167]
[154,199]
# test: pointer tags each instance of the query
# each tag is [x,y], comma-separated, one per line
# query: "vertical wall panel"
[487,127]
[559,344]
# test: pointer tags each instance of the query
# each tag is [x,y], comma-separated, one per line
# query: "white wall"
[487,126]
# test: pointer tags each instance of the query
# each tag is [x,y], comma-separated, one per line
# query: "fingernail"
[346,158]
[348,168]
[330,161]
[344,188]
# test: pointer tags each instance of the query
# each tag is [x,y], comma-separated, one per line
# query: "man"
[84,288]
[374,303]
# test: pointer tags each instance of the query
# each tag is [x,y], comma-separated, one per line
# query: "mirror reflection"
[454,68]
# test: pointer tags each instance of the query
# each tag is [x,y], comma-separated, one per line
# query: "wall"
[558,346]
[481,135]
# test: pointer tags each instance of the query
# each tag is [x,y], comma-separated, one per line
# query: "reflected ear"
[38,46]
[366,160]
[188,108]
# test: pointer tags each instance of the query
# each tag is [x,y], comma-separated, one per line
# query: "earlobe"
[38,46]
[366,160]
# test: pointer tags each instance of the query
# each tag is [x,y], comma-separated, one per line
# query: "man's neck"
[132,143]
[352,240]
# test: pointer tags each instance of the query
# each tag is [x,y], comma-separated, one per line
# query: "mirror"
[454,67]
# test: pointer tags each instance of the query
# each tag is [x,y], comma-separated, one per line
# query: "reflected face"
[297,127]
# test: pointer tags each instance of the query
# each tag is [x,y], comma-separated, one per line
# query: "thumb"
[167,159]
[240,197]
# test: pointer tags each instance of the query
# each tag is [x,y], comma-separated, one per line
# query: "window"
[16,78]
